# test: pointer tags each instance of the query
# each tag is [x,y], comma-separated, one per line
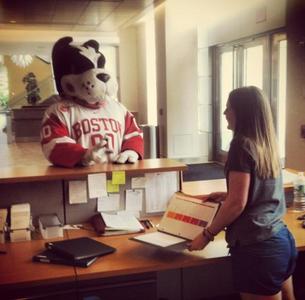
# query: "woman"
[262,249]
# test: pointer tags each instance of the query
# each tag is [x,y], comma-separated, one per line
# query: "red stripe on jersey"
[53,128]
[67,154]
[136,143]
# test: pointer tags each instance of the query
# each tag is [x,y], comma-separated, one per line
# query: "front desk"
[134,271]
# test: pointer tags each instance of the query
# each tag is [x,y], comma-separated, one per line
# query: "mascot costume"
[88,125]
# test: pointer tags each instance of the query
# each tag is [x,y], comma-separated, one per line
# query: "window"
[3,85]
[260,62]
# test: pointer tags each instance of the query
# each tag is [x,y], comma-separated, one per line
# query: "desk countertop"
[131,257]
[43,173]
[205,187]
[18,270]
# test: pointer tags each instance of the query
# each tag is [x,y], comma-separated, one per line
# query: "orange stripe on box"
[171,215]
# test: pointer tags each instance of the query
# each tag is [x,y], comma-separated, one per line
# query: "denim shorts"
[262,268]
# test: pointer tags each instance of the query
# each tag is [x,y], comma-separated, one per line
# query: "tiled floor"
[19,154]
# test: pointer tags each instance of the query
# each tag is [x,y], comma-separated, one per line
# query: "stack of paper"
[108,224]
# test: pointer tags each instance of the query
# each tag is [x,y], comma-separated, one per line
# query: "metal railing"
[24,95]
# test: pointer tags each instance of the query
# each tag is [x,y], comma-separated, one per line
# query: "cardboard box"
[20,235]
[3,216]
[50,226]
[20,216]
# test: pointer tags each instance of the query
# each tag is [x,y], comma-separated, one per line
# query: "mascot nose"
[103,77]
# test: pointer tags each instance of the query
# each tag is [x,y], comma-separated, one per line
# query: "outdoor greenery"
[3,88]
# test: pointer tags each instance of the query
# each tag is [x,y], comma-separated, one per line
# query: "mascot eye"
[103,77]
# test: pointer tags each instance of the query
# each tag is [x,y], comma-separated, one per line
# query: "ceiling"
[71,15]
[33,26]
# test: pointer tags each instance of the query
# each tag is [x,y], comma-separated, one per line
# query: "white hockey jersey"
[71,127]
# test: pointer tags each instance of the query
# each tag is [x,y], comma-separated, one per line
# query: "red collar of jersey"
[83,102]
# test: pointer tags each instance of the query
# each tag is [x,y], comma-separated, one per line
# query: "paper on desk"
[108,203]
[134,199]
[134,213]
[288,177]
[160,188]
[77,191]
[159,239]
[97,185]
[116,222]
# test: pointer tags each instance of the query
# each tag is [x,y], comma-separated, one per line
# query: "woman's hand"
[199,243]
[215,197]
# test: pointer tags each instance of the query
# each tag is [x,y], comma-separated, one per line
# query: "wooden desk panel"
[295,226]
[204,187]
[19,271]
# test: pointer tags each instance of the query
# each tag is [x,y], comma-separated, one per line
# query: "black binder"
[49,257]
[79,248]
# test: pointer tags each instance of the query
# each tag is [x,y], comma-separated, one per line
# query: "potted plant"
[32,89]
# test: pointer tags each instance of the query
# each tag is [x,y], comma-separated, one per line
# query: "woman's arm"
[231,208]
[215,197]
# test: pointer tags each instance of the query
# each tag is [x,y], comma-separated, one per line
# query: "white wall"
[128,69]
[189,28]
[142,78]
[236,19]
[184,139]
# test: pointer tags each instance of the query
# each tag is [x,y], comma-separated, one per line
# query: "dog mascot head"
[80,71]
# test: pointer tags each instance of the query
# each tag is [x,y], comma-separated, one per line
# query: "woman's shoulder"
[242,145]
[240,141]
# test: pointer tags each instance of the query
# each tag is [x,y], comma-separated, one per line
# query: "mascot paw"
[98,154]
[128,156]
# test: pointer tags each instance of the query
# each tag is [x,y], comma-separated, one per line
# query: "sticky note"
[112,188]
[118,177]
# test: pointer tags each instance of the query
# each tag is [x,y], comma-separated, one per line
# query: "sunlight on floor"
[19,154]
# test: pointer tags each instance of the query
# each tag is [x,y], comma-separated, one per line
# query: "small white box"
[50,226]
[20,235]
[3,216]
[20,216]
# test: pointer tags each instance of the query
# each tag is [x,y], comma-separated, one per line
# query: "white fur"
[88,87]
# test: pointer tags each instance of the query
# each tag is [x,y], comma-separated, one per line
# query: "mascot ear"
[93,44]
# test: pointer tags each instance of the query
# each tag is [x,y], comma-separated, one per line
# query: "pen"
[145,223]
[151,223]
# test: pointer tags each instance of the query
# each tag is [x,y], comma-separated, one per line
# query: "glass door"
[226,60]
[278,98]
[240,64]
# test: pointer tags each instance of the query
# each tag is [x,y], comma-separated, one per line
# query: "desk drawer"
[135,287]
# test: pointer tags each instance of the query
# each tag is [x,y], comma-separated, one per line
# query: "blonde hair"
[254,123]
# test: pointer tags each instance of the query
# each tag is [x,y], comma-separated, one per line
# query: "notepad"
[79,248]
[184,219]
